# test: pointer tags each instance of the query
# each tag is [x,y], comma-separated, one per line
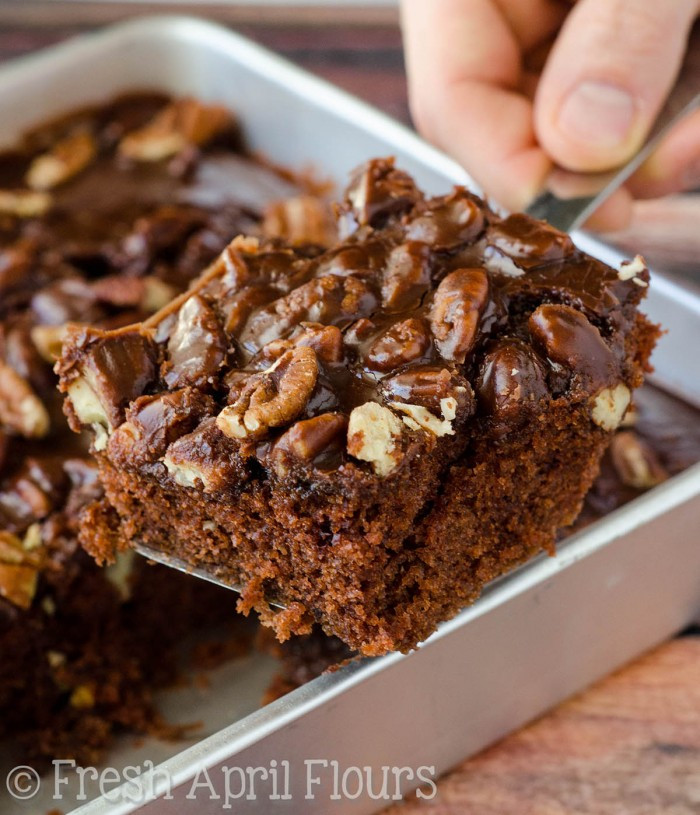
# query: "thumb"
[607,77]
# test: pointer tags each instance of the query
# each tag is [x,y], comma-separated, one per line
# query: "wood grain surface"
[629,746]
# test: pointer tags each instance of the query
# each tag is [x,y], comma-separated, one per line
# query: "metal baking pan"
[534,638]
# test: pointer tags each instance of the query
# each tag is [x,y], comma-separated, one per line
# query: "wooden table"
[631,744]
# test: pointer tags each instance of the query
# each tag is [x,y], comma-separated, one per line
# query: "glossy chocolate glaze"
[426,300]
[117,235]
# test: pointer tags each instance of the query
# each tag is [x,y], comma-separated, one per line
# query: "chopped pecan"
[430,387]
[182,123]
[417,417]
[272,398]
[326,299]
[300,220]
[103,373]
[377,190]
[374,433]
[24,203]
[154,422]
[190,462]
[609,406]
[67,158]
[635,462]
[19,570]
[21,410]
[197,346]
[460,300]
[404,342]
[307,439]
[406,276]
[48,340]
[458,220]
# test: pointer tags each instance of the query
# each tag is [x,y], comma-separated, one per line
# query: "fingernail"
[599,114]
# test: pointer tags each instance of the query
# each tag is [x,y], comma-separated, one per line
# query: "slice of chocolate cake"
[366,434]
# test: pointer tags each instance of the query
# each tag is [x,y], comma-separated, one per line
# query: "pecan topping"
[48,340]
[117,370]
[373,435]
[21,410]
[610,405]
[326,299]
[459,302]
[66,159]
[404,342]
[190,462]
[457,221]
[272,398]
[569,339]
[429,387]
[182,123]
[406,276]
[309,438]
[19,570]
[512,379]
[154,422]
[197,346]
[24,203]
[635,462]
[419,418]
[300,220]
[528,241]
[377,190]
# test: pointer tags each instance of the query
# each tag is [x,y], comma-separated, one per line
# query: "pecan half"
[66,159]
[404,342]
[460,300]
[21,410]
[406,276]
[182,123]
[568,338]
[272,398]
[512,380]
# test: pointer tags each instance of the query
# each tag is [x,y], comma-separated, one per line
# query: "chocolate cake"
[105,215]
[365,435]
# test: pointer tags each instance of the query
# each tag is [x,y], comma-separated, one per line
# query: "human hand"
[512,88]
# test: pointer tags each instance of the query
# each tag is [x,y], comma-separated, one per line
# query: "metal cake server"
[569,211]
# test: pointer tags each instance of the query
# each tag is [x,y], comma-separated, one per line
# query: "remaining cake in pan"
[367,434]
[104,217]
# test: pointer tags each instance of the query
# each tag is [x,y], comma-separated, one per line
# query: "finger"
[609,72]
[674,166]
[665,230]
[614,214]
[464,69]
[532,21]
